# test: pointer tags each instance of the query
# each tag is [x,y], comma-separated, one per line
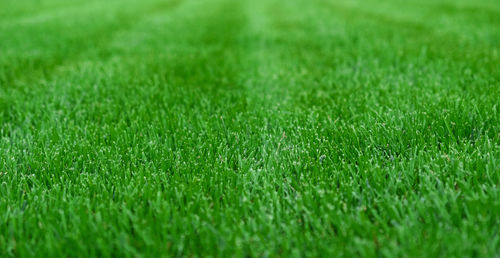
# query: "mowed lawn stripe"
[13,10]
[406,114]
[424,34]
[90,138]
[25,61]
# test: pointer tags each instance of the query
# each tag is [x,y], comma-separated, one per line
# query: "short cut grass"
[249,128]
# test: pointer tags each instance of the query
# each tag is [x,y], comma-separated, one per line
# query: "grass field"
[249,128]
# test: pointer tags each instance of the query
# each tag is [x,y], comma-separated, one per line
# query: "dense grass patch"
[249,128]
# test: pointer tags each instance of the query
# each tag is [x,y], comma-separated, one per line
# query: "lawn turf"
[249,128]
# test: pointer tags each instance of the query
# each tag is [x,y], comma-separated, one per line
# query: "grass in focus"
[249,128]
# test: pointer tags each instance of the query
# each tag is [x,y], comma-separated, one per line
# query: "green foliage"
[249,128]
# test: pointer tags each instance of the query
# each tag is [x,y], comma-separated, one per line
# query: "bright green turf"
[250,127]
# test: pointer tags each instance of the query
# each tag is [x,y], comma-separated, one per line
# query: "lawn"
[249,128]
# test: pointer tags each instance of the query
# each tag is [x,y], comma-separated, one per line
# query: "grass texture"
[253,128]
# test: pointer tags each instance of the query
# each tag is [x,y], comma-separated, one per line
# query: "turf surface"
[249,128]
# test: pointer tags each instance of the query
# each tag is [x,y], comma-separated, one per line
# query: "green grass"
[249,128]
